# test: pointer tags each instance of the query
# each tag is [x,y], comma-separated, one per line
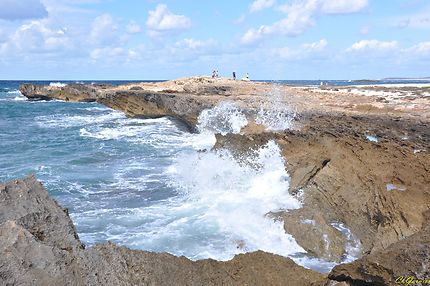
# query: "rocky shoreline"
[359,162]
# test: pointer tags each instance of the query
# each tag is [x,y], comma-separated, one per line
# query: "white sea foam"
[57,84]
[220,209]
[64,121]
[15,91]
[223,118]
[19,96]
[236,198]
[114,132]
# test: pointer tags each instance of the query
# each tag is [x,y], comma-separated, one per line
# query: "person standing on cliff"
[213,74]
[234,75]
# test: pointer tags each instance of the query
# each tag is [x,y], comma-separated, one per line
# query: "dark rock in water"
[70,92]
[39,246]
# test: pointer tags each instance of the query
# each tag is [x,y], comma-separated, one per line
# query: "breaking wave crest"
[223,118]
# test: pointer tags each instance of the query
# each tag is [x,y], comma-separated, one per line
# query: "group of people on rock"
[216,74]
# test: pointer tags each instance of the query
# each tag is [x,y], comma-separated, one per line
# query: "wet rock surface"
[406,258]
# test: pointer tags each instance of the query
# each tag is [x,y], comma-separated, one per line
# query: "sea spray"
[223,118]
[234,199]
[275,114]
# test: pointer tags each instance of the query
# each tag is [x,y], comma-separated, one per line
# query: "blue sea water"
[144,183]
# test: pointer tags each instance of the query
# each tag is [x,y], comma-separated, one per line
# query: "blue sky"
[269,39]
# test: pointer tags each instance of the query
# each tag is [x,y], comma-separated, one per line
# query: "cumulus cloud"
[104,31]
[22,9]
[373,45]
[37,36]
[193,44]
[343,6]
[107,53]
[3,36]
[161,20]
[136,53]
[422,48]
[258,5]
[304,51]
[133,28]
[299,18]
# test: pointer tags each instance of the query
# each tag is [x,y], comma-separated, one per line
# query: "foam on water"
[219,205]
[219,210]
[234,198]
[57,84]
[65,121]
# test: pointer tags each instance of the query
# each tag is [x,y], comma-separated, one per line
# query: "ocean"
[148,183]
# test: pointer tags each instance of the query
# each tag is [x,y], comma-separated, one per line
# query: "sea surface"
[150,184]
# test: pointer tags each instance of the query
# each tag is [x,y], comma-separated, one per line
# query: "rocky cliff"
[359,163]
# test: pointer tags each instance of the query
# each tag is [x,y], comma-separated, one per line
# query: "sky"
[269,39]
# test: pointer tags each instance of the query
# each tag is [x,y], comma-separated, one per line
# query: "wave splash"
[223,118]
[275,114]
[226,199]
[234,198]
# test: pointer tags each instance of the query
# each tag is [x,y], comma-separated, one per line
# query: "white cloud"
[133,28]
[253,35]
[316,46]
[37,36]
[422,48]
[299,18]
[304,51]
[3,36]
[259,5]
[107,53]
[373,45]
[136,53]
[104,31]
[343,6]
[161,20]
[193,44]
[20,9]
